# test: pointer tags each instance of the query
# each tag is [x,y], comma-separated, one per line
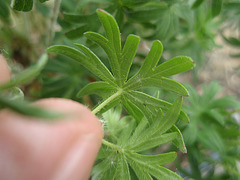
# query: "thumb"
[5,74]
[31,149]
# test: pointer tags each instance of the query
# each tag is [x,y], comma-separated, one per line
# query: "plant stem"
[107,101]
[111,145]
[53,21]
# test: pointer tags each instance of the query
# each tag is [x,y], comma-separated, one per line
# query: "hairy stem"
[111,145]
[107,101]
[53,21]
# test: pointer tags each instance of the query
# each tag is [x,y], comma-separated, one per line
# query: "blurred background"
[206,30]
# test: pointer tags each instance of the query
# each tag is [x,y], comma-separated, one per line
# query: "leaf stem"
[53,21]
[111,145]
[107,101]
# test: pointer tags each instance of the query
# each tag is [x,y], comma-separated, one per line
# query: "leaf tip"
[101,11]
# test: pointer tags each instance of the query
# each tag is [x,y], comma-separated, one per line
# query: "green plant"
[214,139]
[152,125]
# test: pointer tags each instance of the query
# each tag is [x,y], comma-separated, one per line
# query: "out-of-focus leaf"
[27,75]
[22,5]
[4,11]
[216,7]
[25,108]
[197,3]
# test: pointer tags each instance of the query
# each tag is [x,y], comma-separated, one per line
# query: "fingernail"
[78,161]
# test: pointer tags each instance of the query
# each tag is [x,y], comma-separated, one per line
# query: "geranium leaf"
[89,60]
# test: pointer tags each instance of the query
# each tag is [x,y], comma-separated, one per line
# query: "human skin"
[5,74]
[37,149]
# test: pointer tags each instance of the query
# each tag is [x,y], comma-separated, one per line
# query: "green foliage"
[125,152]
[125,80]
[181,28]
[23,5]
[13,98]
[116,87]
[116,83]
[27,75]
[214,130]
[4,11]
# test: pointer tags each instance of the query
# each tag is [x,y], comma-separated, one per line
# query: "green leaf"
[151,59]
[156,141]
[114,40]
[148,14]
[178,141]
[197,3]
[142,98]
[101,168]
[232,41]
[25,108]
[4,11]
[27,75]
[216,7]
[159,159]
[128,53]
[140,163]
[89,60]
[158,127]
[174,66]
[99,88]
[42,1]
[162,83]
[141,173]
[22,5]
[122,168]
[224,102]
[77,32]
[211,139]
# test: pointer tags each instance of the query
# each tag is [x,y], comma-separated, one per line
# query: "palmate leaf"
[118,158]
[117,84]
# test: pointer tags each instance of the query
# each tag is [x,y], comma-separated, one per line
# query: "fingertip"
[5,74]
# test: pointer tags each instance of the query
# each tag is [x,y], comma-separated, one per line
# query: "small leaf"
[216,7]
[42,1]
[22,5]
[142,98]
[174,66]
[90,60]
[4,11]
[159,126]
[102,167]
[159,159]
[128,53]
[141,166]
[141,173]
[122,168]
[161,82]
[151,59]
[178,142]
[232,41]
[155,141]
[77,32]
[25,108]
[148,14]
[197,3]
[99,88]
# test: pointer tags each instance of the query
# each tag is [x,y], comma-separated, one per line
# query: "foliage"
[116,87]
[135,123]
[213,134]
[23,5]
